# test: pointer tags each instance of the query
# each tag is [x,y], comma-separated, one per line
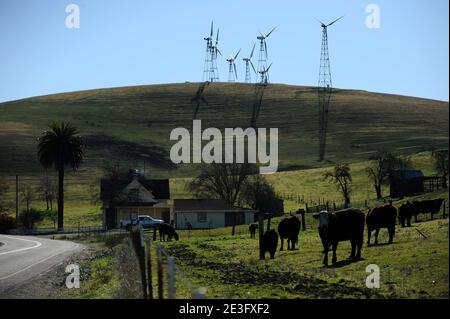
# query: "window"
[202,217]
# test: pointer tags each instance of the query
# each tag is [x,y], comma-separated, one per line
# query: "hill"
[132,124]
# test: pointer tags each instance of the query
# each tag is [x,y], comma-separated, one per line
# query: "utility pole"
[17,197]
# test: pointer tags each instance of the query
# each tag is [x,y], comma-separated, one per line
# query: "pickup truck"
[144,220]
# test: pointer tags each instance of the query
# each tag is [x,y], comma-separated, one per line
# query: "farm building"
[127,198]
[209,213]
[413,182]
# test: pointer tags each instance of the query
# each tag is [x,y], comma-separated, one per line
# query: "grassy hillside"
[132,124]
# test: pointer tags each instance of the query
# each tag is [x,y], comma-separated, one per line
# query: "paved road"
[23,258]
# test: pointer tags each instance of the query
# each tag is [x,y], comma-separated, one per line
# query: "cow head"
[324,219]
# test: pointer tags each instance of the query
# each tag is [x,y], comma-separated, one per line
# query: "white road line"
[38,244]
[36,263]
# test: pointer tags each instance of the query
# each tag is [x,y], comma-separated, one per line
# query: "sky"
[139,42]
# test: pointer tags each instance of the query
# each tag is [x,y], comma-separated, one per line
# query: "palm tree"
[58,148]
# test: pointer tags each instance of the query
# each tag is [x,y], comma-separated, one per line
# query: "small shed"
[209,213]
[406,183]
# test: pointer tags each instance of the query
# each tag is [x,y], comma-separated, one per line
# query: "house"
[406,183]
[413,182]
[135,195]
[209,213]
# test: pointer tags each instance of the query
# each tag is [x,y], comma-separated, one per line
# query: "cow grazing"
[432,206]
[346,224]
[405,212]
[169,230]
[381,217]
[252,228]
[289,229]
[269,243]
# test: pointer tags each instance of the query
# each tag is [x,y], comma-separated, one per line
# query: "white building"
[209,213]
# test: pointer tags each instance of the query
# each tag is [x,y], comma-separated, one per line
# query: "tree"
[223,181]
[342,178]
[58,148]
[258,194]
[3,189]
[441,164]
[27,195]
[47,191]
[381,167]
[30,217]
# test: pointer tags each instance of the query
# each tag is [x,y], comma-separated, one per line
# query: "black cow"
[346,224]
[405,212]
[269,243]
[432,206]
[381,217]
[252,228]
[169,230]
[289,229]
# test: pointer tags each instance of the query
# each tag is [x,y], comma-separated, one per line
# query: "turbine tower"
[265,75]
[325,86]
[325,70]
[214,51]
[262,60]
[248,63]
[208,73]
[232,73]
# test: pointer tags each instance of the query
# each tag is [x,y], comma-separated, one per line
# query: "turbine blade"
[268,68]
[217,36]
[319,21]
[254,70]
[235,72]
[219,51]
[212,29]
[235,57]
[270,32]
[265,46]
[251,54]
[335,21]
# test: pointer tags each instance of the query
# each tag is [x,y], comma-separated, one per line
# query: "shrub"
[29,218]
[6,223]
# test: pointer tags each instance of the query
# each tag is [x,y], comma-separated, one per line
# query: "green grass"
[228,267]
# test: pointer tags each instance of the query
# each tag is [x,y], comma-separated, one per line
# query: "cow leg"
[415,217]
[369,231]
[408,222]
[377,231]
[431,216]
[352,254]
[282,242]
[325,254]
[334,259]
[289,244]
[272,254]
[359,244]
[391,233]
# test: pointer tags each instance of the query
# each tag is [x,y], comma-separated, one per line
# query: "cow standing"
[169,230]
[405,212]
[432,206]
[252,228]
[289,229]
[381,217]
[269,243]
[346,224]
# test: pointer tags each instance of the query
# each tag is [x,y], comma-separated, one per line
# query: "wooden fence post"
[142,261]
[443,213]
[303,220]
[306,208]
[160,272]
[149,269]
[171,277]
[261,233]
[334,207]
[154,233]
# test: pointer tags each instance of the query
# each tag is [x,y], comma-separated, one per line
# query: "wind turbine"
[325,70]
[265,75]
[263,55]
[208,70]
[214,51]
[232,73]
[248,63]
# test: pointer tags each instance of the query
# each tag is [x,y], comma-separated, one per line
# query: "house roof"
[407,174]
[206,205]
[159,188]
